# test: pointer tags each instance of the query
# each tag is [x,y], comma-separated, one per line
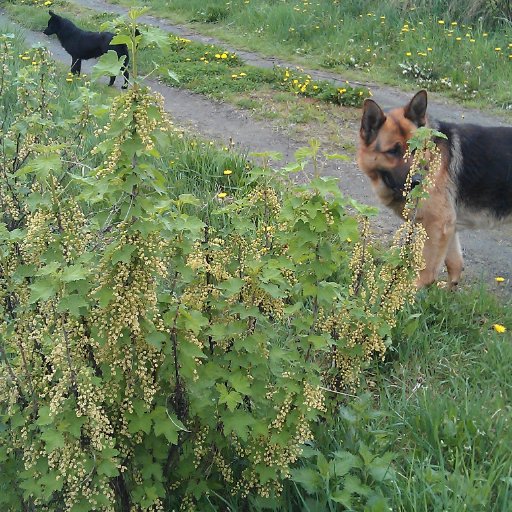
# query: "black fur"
[84,45]
[483,175]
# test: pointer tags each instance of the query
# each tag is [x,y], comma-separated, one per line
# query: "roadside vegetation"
[463,49]
[184,329]
[288,97]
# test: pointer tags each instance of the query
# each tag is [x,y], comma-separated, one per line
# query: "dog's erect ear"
[416,110]
[373,118]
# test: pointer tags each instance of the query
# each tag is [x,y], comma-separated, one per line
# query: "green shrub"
[160,350]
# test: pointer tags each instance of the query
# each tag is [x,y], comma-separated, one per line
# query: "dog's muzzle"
[416,180]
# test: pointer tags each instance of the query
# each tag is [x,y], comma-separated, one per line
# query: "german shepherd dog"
[473,188]
[84,45]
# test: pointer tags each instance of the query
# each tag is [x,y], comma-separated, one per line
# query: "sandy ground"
[487,253]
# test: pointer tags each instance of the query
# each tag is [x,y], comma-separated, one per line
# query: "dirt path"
[487,253]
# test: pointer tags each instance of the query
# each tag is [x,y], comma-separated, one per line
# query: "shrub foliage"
[158,350]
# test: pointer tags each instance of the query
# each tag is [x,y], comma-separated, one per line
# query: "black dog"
[84,45]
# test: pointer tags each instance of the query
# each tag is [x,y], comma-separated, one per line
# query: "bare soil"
[487,253]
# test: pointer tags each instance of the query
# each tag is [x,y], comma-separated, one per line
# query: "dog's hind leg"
[126,74]
[454,261]
[126,77]
[76,65]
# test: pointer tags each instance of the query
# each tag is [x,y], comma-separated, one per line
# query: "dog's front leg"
[441,245]
[454,261]
[76,65]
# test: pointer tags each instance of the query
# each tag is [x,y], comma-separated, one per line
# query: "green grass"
[431,428]
[449,389]
[433,44]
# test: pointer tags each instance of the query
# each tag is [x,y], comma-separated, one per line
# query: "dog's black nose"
[416,179]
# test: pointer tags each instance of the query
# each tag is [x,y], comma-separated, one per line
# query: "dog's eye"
[396,150]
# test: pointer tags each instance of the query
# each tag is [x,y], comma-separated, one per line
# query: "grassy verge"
[463,51]
[288,97]
[434,431]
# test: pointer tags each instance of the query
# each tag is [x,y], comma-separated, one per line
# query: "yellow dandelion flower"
[224,56]
[429,49]
[243,74]
[221,195]
[499,279]
[408,54]
[453,23]
[497,49]
[499,328]
[227,172]
[217,55]
[458,39]
[441,22]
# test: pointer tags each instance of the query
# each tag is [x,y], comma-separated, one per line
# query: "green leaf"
[240,383]
[104,296]
[72,303]
[338,156]
[53,439]
[107,468]
[49,269]
[43,289]
[231,398]
[156,338]
[173,76]
[123,254]
[239,422]
[192,321]
[342,496]
[344,462]
[308,478]
[139,423]
[323,466]
[44,416]
[42,166]
[122,39]
[136,12]
[168,428]
[108,64]
[353,485]
[74,273]
[231,286]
